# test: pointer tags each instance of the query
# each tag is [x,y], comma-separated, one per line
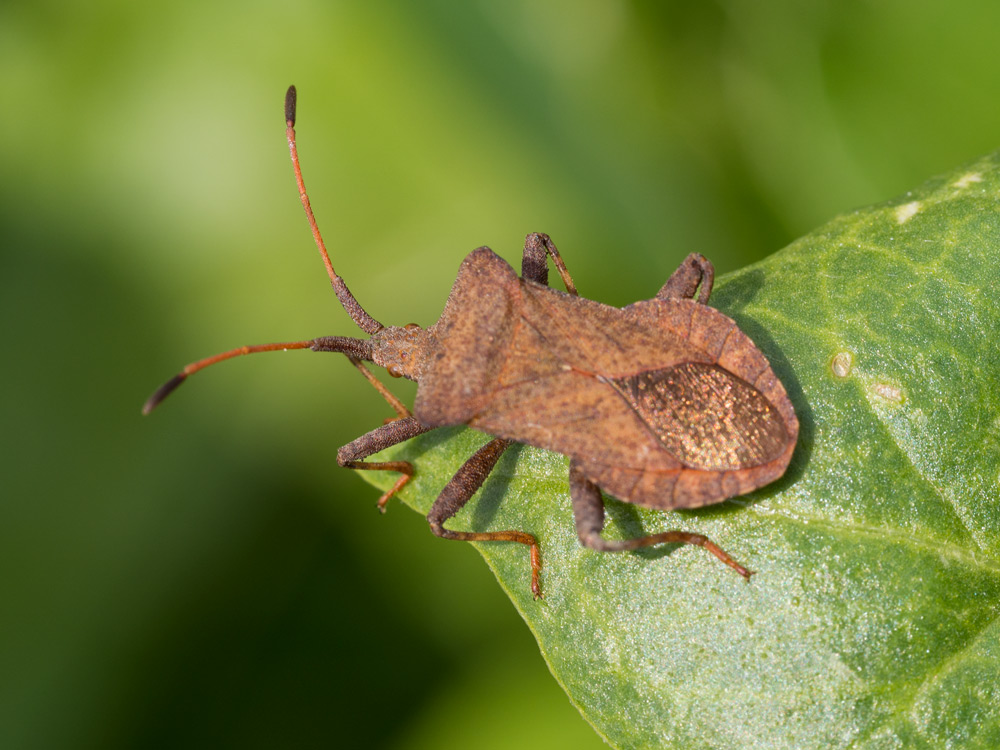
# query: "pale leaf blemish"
[967,179]
[842,363]
[888,392]
[907,211]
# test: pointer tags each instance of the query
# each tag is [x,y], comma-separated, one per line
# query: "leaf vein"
[898,536]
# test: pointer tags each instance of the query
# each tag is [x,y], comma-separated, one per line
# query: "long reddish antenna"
[167,388]
[364,321]
[357,348]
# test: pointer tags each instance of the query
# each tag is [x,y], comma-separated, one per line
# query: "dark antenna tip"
[162,392]
[290,96]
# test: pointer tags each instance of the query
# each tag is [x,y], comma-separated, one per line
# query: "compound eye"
[395,371]
[411,326]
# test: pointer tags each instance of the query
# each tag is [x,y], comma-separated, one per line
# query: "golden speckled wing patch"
[705,416]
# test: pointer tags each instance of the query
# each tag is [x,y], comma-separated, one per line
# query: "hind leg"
[683,283]
[588,512]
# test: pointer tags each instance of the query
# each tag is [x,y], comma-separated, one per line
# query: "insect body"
[664,403]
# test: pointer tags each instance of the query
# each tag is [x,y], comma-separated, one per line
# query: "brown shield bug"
[664,403]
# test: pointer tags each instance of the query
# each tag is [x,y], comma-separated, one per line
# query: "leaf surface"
[874,617]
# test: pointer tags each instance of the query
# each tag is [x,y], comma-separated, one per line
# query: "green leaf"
[874,617]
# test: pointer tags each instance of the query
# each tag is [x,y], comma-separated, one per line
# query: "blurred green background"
[207,576]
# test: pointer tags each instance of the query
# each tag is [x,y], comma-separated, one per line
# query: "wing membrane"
[705,416]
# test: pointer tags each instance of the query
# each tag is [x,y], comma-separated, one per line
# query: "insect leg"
[398,406]
[460,490]
[588,511]
[683,283]
[397,431]
[535,264]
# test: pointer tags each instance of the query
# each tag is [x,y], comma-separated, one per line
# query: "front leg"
[460,490]
[397,406]
[393,433]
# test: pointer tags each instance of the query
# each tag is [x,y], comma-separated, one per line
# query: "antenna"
[364,321]
[358,348]
[352,347]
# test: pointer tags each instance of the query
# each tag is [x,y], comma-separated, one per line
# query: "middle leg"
[538,248]
[460,490]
